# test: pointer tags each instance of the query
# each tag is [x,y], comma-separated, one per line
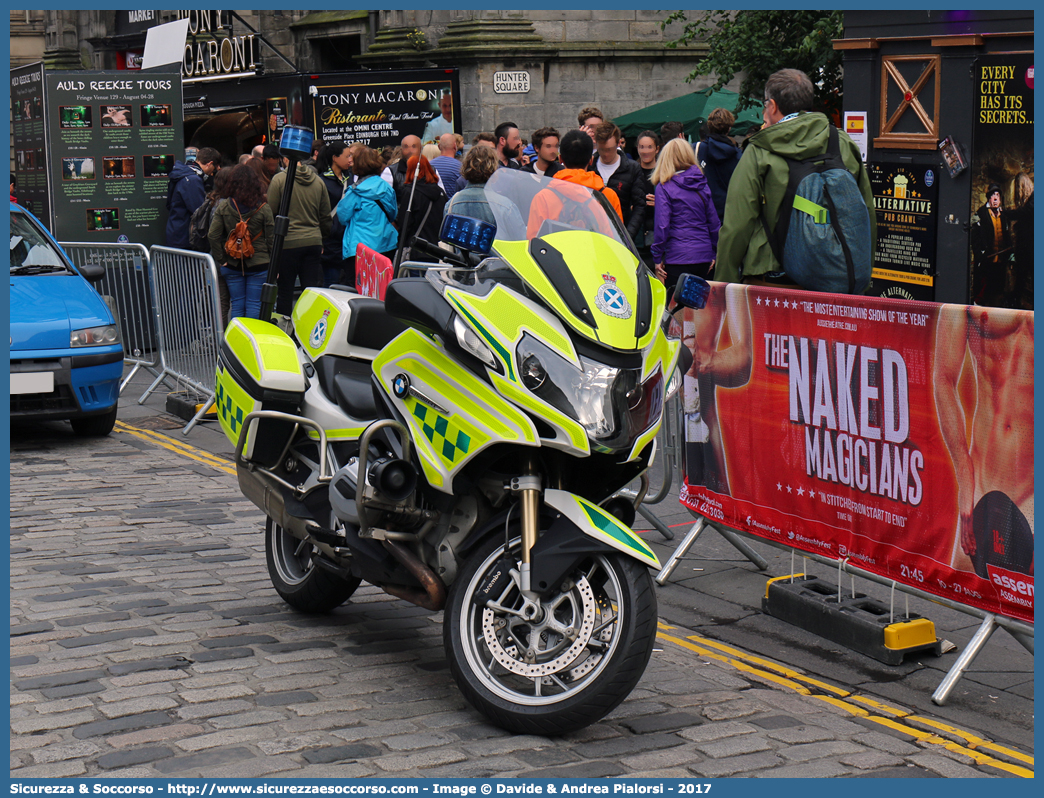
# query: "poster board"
[906,201]
[1002,158]
[897,435]
[113,138]
[29,136]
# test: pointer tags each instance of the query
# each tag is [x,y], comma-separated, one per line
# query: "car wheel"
[95,426]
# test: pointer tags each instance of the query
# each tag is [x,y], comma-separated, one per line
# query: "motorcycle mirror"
[468,233]
[691,292]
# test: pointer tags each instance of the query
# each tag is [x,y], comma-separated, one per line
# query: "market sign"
[132,22]
[511,82]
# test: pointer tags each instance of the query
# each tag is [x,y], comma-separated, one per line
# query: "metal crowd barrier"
[127,282]
[188,314]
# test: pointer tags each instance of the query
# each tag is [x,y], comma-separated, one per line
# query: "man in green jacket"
[310,223]
[791,130]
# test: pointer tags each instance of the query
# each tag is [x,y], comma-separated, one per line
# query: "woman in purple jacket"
[685,233]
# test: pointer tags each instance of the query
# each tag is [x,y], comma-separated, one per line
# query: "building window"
[911,89]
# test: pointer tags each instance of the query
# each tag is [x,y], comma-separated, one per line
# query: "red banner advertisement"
[897,435]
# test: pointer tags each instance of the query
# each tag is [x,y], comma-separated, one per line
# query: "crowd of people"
[673,198]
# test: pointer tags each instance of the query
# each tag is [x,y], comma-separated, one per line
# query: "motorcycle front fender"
[597,524]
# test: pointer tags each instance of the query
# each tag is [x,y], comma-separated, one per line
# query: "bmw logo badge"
[401,385]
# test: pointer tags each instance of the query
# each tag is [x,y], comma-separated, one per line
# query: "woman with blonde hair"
[430,151]
[685,230]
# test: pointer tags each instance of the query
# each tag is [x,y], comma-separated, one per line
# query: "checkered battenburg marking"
[226,407]
[440,432]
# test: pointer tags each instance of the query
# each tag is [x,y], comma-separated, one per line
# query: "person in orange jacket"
[575,152]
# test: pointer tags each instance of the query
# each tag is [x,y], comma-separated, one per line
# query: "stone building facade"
[615,59]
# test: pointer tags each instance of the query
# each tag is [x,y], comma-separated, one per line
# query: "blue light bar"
[468,233]
[296,140]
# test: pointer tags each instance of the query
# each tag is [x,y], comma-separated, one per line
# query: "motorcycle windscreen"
[568,244]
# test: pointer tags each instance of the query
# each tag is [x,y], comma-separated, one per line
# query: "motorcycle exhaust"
[433,595]
[266,493]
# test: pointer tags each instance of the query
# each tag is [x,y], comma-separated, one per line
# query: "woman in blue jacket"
[368,209]
[685,233]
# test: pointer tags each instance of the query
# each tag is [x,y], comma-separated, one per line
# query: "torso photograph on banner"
[896,434]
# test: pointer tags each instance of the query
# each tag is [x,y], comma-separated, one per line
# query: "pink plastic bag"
[373,272]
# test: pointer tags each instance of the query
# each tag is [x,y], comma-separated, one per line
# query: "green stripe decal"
[504,354]
[614,529]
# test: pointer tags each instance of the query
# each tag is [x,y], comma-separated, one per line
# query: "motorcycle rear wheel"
[563,672]
[295,576]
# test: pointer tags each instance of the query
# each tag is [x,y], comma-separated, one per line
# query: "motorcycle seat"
[371,326]
[354,395]
[349,383]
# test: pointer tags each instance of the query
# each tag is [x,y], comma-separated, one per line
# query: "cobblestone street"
[147,641]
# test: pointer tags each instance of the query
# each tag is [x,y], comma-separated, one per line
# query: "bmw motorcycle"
[463,445]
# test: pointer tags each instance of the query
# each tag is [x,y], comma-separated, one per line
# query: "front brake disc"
[511,659]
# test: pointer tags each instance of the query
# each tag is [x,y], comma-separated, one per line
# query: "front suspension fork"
[529,485]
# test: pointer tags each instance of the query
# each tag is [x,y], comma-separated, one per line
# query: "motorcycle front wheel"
[567,667]
[295,576]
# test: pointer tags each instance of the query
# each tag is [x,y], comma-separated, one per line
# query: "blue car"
[66,351]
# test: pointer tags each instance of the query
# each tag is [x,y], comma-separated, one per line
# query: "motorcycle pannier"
[258,369]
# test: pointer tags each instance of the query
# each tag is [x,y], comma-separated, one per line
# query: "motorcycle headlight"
[95,336]
[611,403]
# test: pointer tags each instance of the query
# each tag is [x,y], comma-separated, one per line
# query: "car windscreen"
[32,252]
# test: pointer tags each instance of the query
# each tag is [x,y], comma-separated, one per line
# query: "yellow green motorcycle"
[463,445]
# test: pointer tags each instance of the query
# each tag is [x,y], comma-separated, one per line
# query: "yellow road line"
[857,705]
[971,739]
[880,708]
[178,447]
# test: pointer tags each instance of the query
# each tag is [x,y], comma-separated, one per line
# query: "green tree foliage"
[758,43]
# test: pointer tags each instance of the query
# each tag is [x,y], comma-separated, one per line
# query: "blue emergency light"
[468,233]
[692,291]
[296,141]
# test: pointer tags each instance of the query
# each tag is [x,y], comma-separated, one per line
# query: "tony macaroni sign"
[897,434]
[380,108]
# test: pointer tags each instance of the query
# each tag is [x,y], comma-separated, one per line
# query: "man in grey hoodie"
[310,223]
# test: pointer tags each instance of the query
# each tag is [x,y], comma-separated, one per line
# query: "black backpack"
[199,226]
[825,245]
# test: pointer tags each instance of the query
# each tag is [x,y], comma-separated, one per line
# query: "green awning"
[691,110]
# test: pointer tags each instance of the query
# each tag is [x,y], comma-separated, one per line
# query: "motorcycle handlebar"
[433,251]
